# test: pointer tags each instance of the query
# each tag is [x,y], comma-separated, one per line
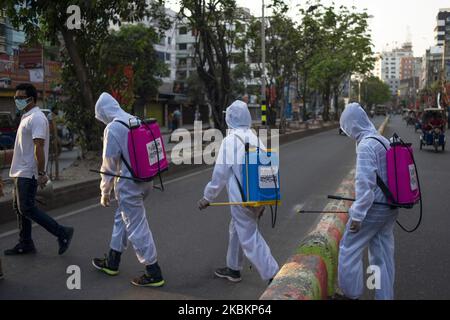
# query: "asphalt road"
[423,258]
[191,244]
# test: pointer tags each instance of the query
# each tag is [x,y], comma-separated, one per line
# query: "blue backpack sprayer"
[260,180]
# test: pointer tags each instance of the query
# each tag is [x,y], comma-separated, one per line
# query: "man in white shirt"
[28,172]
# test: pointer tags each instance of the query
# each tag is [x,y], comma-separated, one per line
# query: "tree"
[133,46]
[372,90]
[46,20]
[282,43]
[346,48]
[211,20]
[310,38]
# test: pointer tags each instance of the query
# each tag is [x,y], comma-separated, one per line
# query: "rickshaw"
[411,118]
[433,129]
[405,113]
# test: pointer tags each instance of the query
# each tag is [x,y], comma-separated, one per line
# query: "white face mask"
[22,103]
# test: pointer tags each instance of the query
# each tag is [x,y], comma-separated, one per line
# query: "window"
[256,74]
[183,30]
[181,75]
[169,41]
[168,56]
[182,62]
[161,56]
[162,41]
[182,46]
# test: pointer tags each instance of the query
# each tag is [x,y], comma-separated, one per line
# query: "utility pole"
[44,103]
[414,82]
[263,73]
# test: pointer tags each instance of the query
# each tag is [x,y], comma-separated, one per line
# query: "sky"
[391,19]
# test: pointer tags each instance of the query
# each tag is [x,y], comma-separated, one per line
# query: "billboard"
[30,57]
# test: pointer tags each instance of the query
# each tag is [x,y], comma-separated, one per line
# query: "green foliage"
[373,91]
[83,77]
[133,45]
[345,48]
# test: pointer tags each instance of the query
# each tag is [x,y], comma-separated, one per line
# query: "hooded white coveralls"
[244,236]
[130,221]
[377,228]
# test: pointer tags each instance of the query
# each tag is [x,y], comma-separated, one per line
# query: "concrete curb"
[303,276]
[89,189]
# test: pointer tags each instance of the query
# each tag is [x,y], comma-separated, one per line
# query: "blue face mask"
[22,103]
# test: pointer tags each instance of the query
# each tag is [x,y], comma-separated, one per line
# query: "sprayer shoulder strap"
[380,183]
[121,154]
[241,189]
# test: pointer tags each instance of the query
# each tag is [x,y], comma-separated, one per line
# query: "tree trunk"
[80,69]
[305,88]
[91,141]
[336,103]
[326,107]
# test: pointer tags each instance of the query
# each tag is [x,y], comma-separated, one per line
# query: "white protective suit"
[244,236]
[130,222]
[377,221]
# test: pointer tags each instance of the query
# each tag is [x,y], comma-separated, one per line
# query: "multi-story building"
[442,37]
[431,67]
[10,38]
[388,66]
[410,67]
[378,65]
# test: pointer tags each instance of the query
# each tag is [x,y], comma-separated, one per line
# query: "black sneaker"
[227,273]
[64,241]
[339,296]
[21,248]
[151,278]
[109,264]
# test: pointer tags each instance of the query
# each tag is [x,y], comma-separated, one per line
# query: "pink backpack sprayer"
[145,149]
[403,187]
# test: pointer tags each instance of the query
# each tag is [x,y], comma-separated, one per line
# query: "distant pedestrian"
[176,118]
[448,117]
[1,195]
[198,115]
[28,173]
[170,121]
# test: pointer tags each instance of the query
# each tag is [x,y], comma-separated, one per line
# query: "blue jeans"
[24,195]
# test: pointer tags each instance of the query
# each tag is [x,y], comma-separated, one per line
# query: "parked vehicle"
[381,110]
[8,130]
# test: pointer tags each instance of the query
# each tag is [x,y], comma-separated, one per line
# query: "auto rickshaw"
[433,129]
